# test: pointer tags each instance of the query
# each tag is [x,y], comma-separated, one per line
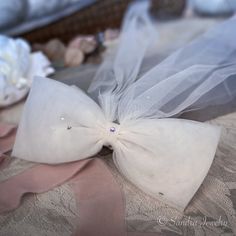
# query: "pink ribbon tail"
[4,161]
[100,199]
[5,129]
[7,137]
[100,202]
[38,179]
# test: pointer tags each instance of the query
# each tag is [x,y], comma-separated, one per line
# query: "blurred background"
[51,26]
[75,35]
[42,20]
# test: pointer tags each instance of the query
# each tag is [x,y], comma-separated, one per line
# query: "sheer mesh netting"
[198,75]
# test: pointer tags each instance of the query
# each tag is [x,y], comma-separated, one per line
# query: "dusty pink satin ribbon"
[100,199]
[7,138]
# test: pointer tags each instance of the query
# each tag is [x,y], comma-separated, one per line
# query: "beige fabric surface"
[211,212]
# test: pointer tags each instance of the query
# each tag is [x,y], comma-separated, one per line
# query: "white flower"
[18,67]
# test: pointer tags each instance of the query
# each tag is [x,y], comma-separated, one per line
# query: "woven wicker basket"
[95,18]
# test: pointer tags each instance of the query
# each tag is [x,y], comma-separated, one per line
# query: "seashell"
[73,57]
[54,49]
[87,44]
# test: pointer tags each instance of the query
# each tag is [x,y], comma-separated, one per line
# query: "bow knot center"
[111,133]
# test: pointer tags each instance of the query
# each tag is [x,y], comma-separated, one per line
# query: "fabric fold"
[100,201]
[5,129]
[38,179]
[7,138]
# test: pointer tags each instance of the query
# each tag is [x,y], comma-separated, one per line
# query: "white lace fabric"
[55,212]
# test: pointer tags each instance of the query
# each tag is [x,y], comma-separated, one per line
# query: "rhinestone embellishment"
[112,129]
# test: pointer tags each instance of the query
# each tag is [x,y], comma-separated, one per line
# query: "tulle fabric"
[194,77]
[115,75]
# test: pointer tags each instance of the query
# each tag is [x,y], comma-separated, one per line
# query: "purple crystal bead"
[112,129]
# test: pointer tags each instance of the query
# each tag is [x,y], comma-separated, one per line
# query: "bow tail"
[99,196]
[38,179]
[100,202]
[7,138]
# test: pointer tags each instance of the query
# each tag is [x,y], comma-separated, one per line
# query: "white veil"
[113,77]
[197,75]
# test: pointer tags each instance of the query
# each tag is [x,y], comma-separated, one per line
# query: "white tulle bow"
[167,158]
